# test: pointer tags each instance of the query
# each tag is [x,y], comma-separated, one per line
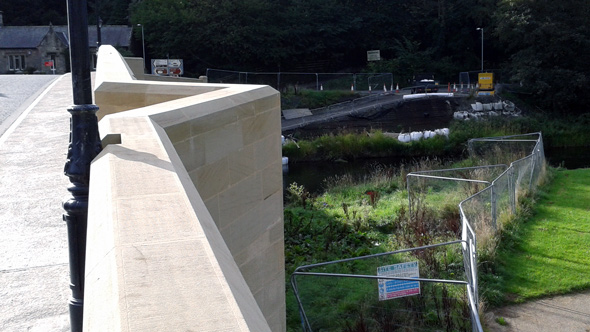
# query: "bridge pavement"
[34,275]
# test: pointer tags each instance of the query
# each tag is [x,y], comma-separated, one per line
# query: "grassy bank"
[356,218]
[562,132]
[541,251]
[545,250]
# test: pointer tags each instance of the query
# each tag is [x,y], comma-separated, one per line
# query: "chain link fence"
[357,295]
[289,81]
[492,190]
[345,295]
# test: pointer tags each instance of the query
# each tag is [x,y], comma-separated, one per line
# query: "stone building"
[41,49]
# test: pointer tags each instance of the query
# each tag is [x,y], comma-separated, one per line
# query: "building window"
[16,62]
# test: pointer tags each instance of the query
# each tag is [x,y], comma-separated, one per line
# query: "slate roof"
[22,36]
[32,36]
[115,35]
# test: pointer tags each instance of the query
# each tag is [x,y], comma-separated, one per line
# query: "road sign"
[391,289]
[48,63]
[167,67]
[374,55]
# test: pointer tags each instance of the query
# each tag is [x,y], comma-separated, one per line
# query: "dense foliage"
[546,41]
[540,45]
[355,218]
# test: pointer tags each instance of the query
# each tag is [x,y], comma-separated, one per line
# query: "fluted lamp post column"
[84,146]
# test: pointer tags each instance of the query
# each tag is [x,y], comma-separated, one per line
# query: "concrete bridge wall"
[185,219]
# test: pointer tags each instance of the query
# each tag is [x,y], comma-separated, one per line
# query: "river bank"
[347,146]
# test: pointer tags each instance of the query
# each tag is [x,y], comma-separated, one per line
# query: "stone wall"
[185,219]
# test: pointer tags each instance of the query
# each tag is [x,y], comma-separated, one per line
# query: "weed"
[501,321]
[298,194]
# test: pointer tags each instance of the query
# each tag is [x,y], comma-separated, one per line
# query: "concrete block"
[165,217]
[240,198]
[179,132]
[242,163]
[258,127]
[222,143]
[211,179]
[191,153]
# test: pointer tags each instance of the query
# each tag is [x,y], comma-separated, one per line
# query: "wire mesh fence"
[290,81]
[345,295]
[492,190]
[420,289]
[448,187]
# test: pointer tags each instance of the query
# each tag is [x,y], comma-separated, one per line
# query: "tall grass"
[366,145]
[557,132]
[357,217]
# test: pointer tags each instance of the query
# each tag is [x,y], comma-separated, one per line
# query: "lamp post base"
[84,146]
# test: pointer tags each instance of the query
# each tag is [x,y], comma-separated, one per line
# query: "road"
[17,92]
[357,106]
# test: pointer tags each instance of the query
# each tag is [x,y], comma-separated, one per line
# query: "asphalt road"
[17,92]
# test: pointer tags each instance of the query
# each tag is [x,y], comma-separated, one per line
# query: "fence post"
[493,205]
[409,196]
[532,170]
[512,189]
[317,82]
[470,148]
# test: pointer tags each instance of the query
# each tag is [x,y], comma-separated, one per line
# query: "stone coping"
[156,260]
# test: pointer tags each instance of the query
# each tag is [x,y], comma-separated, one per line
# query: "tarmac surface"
[565,313]
[34,274]
[16,94]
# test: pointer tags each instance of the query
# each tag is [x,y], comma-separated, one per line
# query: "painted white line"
[26,112]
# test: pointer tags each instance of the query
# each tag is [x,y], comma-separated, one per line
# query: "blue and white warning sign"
[391,289]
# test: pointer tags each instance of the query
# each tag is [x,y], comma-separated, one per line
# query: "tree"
[210,33]
[34,12]
[548,41]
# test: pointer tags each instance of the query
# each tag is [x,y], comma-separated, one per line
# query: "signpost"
[50,64]
[391,289]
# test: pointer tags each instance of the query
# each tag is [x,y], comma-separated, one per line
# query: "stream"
[312,174]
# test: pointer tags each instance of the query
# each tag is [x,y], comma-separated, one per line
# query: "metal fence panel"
[345,296]
[492,194]
[294,82]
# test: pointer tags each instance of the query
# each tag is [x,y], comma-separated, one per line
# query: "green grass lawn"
[550,250]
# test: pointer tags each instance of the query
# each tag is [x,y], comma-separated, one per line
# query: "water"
[313,174]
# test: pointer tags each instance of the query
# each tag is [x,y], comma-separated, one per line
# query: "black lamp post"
[142,46]
[84,146]
[98,24]
[98,32]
